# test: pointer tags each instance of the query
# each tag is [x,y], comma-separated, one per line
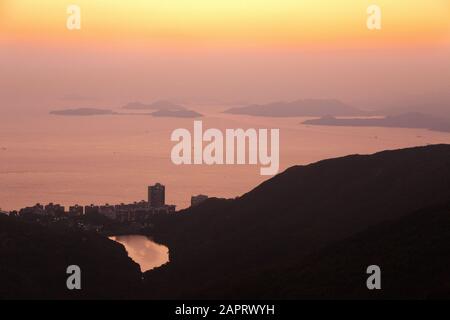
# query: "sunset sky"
[222,49]
[207,55]
[270,22]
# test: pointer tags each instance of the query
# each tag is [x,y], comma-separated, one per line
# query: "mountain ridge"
[296,213]
[308,232]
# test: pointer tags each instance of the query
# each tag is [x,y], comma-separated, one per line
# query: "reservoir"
[145,252]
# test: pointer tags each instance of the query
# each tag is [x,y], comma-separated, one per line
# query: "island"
[177,114]
[157,105]
[406,120]
[83,112]
[299,108]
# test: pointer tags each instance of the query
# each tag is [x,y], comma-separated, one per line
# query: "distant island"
[83,112]
[299,108]
[157,105]
[76,97]
[177,114]
[434,103]
[406,120]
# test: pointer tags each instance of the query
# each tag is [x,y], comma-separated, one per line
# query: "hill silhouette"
[309,232]
[34,260]
[412,252]
[282,222]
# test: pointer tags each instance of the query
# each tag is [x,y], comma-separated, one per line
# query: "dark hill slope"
[413,254]
[34,259]
[294,214]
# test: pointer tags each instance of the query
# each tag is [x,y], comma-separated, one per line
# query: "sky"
[208,52]
[221,51]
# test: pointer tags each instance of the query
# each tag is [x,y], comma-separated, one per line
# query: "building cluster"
[134,212]
[137,211]
[54,210]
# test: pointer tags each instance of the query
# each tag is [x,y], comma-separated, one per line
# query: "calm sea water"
[112,159]
[144,251]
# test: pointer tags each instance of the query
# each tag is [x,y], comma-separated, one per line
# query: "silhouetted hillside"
[34,259]
[413,253]
[309,232]
[291,216]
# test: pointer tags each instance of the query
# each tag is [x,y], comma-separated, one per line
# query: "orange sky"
[240,22]
[221,50]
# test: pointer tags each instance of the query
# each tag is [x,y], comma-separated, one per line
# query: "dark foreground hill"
[309,232]
[34,260]
[413,254]
[218,246]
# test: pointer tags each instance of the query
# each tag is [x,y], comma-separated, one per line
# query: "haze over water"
[112,159]
[215,52]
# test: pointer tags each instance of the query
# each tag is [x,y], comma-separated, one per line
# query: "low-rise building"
[37,209]
[54,210]
[196,200]
[92,209]
[108,211]
[166,209]
[75,211]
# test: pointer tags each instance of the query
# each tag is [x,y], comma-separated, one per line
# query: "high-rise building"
[157,195]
